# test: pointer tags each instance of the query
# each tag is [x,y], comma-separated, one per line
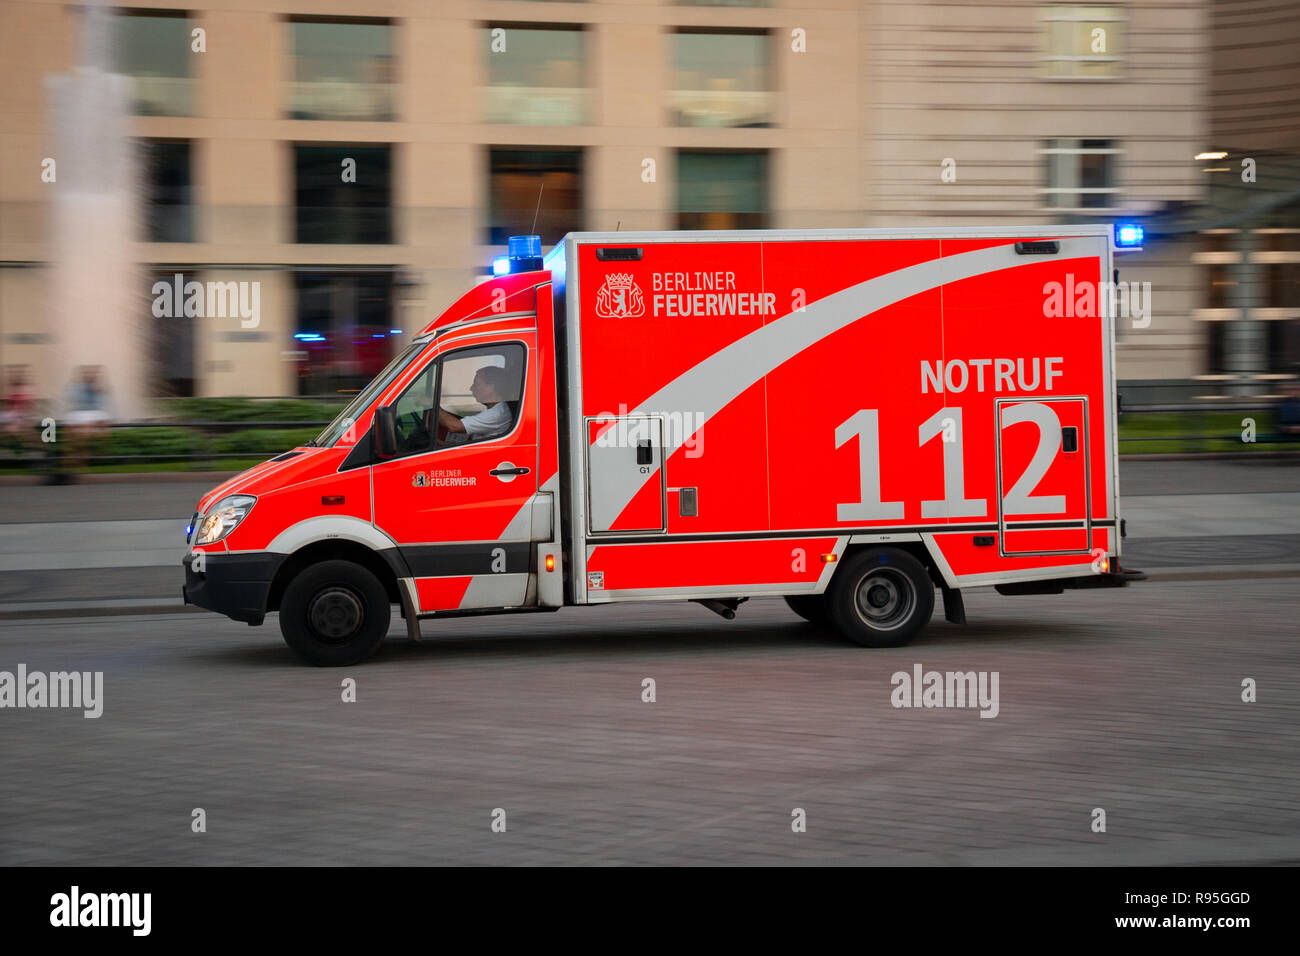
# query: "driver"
[491,384]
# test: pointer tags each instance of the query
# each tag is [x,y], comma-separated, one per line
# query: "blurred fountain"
[97,306]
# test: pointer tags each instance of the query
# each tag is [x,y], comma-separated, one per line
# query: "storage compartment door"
[625,475]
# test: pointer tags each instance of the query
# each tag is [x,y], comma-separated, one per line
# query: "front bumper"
[235,585]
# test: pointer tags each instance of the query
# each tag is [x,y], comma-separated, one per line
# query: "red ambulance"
[848,419]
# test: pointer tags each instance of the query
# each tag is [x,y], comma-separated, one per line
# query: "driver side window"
[480,393]
[466,396]
[416,413]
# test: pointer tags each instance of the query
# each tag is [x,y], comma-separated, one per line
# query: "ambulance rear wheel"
[334,613]
[810,607]
[881,598]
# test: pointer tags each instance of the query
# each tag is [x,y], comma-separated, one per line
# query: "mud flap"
[954,608]
[408,611]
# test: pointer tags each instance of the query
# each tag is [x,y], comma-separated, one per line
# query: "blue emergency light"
[501,266]
[523,254]
[1128,235]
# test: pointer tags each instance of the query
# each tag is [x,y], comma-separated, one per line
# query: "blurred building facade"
[362,163]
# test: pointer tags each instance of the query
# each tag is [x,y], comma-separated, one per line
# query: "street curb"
[1224,574]
[47,610]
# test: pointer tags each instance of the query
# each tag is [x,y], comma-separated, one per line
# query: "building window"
[1284,346]
[171,342]
[1279,240]
[344,194]
[527,182]
[536,76]
[1222,240]
[154,49]
[168,197]
[1082,43]
[1216,348]
[1220,285]
[721,189]
[344,331]
[721,79]
[343,70]
[1080,174]
[1282,285]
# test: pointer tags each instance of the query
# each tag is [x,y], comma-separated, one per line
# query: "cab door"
[459,503]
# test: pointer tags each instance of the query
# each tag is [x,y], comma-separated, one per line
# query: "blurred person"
[89,415]
[1288,412]
[18,420]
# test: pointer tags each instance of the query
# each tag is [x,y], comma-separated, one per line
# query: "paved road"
[1124,700]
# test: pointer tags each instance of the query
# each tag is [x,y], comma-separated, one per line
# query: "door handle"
[508,471]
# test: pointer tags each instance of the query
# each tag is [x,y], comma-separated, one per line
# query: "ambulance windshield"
[337,428]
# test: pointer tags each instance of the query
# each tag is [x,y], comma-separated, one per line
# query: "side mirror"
[385,432]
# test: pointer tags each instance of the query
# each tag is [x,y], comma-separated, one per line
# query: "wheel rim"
[336,614]
[885,598]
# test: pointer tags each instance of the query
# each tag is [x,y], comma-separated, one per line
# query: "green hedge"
[259,442]
[148,441]
[1189,425]
[249,409]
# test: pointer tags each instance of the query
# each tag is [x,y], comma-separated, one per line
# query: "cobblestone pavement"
[1124,700]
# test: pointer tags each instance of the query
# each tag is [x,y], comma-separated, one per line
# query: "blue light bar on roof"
[1128,235]
[524,247]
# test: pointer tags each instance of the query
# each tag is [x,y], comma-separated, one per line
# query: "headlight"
[222,518]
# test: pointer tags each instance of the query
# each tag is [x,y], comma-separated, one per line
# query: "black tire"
[810,607]
[880,598]
[334,614]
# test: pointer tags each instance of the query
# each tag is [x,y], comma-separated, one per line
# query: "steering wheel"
[418,436]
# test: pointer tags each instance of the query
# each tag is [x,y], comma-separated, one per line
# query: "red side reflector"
[331,499]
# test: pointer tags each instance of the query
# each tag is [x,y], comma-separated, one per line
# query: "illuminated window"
[344,330]
[534,192]
[1083,42]
[721,190]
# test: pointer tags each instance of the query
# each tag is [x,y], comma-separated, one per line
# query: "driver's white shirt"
[489,422]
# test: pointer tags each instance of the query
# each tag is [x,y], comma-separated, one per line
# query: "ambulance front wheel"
[334,613]
[880,598]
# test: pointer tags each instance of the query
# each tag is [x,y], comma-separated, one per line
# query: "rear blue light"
[500,266]
[1128,234]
